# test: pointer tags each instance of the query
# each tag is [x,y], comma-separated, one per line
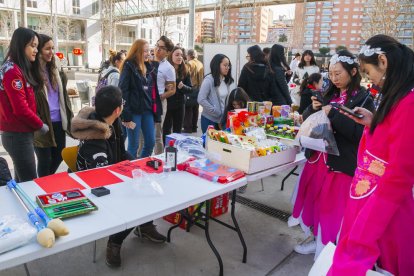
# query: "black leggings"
[173,120]
[49,159]
[19,145]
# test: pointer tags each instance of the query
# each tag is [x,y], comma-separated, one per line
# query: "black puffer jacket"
[256,80]
[281,96]
[347,132]
[137,100]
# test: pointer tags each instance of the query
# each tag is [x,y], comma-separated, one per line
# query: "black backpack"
[5,174]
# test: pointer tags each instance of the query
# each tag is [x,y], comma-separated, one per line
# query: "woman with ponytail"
[378,225]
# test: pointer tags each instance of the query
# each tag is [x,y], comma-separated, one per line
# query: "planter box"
[241,159]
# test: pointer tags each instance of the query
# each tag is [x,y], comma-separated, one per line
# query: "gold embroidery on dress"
[377,167]
[362,187]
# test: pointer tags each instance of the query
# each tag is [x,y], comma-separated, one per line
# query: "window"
[344,31]
[178,20]
[30,4]
[33,23]
[95,7]
[150,33]
[1,48]
[131,34]
[75,6]
[355,16]
[346,9]
[344,24]
[142,32]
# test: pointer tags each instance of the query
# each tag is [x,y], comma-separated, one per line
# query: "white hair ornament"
[337,58]
[367,51]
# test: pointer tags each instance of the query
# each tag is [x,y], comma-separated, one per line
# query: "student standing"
[378,224]
[53,107]
[176,104]
[214,90]
[196,69]
[18,118]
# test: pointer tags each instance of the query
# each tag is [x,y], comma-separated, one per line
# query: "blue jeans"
[144,122]
[206,122]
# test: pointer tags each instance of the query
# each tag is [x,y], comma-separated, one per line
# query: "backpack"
[102,82]
[5,175]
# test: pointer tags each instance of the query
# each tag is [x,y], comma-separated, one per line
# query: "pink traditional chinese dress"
[378,226]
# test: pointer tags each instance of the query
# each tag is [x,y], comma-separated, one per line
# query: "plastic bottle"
[171,156]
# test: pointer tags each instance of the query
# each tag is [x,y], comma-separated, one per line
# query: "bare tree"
[385,17]
[164,10]
[6,23]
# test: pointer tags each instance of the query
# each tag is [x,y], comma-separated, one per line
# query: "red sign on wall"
[77,51]
[59,55]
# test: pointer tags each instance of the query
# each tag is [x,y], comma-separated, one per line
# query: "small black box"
[100,191]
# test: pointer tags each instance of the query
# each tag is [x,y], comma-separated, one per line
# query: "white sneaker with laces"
[306,248]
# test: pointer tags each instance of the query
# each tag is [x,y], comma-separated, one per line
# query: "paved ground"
[269,241]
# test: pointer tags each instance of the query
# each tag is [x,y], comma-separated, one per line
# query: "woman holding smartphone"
[378,224]
[326,179]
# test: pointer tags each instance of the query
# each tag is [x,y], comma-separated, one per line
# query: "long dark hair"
[277,57]
[182,68]
[239,95]
[20,39]
[355,83]
[315,77]
[256,57]
[302,62]
[51,65]
[399,75]
[215,70]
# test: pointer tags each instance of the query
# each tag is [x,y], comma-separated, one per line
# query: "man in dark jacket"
[101,144]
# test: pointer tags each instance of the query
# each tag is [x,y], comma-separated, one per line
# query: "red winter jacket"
[17,101]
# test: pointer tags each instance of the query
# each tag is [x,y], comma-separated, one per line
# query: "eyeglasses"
[248,56]
[123,102]
[227,66]
[331,76]
[161,47]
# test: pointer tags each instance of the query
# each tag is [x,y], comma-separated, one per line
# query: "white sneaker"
[293,221]
[306,248]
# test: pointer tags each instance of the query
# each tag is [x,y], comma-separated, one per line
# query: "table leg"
[26,269]
[206,230]
[236,225]
[261,181]
[94,252]
[292,172]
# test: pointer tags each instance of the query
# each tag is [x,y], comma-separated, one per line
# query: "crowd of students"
[362,200]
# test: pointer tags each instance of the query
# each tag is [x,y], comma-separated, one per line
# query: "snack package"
[207,169]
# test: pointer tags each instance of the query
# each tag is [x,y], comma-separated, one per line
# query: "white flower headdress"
[367,51]
[337,58]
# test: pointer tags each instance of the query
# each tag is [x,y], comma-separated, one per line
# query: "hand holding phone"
[347,110]
[318,96]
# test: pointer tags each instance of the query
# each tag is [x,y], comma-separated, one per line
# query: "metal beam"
[210,7]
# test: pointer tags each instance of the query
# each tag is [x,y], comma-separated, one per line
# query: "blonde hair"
[134,55]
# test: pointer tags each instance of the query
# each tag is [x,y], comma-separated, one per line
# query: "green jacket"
[48,140]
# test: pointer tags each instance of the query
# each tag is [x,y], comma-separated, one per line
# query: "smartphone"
[318,96]
[347,110]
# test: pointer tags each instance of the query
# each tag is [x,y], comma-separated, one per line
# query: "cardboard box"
[241,159]
[174,218]
[218,206]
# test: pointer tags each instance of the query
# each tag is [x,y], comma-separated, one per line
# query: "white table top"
[300,159]
[125,207]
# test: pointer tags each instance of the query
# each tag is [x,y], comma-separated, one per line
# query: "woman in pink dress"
[326,178]
[378,227]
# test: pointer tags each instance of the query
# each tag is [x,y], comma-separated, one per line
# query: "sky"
[288,10]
